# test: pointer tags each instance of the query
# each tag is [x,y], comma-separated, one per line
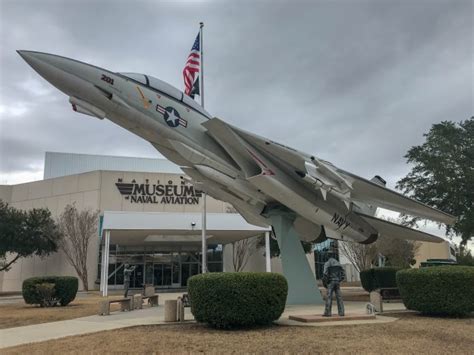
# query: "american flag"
[191,69]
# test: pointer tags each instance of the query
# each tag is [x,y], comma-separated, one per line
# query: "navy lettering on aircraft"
[107,79]
[340,221]
[171,116]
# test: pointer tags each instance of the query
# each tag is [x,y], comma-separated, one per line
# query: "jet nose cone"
[35,59]
[27,56]
[64,73]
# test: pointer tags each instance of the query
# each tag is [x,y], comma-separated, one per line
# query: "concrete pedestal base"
[335,318]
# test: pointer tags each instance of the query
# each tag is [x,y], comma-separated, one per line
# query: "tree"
[464,256]
[77,229]
[360,255]
[24,234]
[443,174]
[398,252]
[242,250]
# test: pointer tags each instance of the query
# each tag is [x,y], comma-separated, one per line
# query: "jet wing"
[393,230]
[371,193]
[362,190]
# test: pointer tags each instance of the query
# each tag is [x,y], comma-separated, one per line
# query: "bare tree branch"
[77,228]
[5,266]
[242,250]
[360,255]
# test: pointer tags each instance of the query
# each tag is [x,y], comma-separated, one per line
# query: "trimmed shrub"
[47,294]
[380,277]
[235,300]
[441,290]
[65,289]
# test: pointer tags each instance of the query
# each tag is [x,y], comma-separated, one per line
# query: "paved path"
[54,330]
[152,316]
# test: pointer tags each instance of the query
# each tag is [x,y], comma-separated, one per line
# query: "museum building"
[150,213]
[150,217]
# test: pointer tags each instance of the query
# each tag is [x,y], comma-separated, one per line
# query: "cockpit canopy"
[167,89]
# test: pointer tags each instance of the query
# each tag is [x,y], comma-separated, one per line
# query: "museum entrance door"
[188,270]
[136,278]
[166,275]
[162,275]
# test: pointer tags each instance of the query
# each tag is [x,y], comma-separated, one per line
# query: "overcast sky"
[353,82]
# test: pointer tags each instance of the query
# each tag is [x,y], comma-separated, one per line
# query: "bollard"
[104,308]
[376,300]
[170,310]
[137,301]
[180,310]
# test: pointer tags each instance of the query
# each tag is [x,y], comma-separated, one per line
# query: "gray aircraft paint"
[312,191]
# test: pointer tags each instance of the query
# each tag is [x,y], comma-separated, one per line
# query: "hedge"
[236,300]
[441,290]
[380,277]
[65,289]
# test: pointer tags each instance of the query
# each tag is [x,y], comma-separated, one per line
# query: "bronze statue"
[333,275]
[127,271]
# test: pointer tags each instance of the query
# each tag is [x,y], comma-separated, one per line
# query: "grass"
[411,334]
[20,314]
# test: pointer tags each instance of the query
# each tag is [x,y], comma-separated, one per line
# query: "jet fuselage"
[247,176]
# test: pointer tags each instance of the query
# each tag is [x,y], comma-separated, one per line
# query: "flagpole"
[204,195]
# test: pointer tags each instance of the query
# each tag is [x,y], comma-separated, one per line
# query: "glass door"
[167,274]
[188,270]
[136,279]
[176,275]
[162,275]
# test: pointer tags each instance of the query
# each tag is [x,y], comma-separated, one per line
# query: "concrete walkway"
[54,330]
[152,316]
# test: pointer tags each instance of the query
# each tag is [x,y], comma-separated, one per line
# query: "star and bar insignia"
[171,116]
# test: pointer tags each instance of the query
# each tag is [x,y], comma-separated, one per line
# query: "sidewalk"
[152,316]
[54,330]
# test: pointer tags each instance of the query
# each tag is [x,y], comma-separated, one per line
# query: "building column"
[203,235]
[105,265]
[268,259]
[102,267]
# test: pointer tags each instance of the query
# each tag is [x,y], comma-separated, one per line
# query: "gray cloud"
[354,82]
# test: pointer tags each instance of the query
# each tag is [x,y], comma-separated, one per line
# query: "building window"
[161,268]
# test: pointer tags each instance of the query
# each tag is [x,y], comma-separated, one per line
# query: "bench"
[381,295]
[390,294]
[139,298]
[186,300]
[104,305]
[148,295]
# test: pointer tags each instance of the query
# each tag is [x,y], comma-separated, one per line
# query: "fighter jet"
[264,180]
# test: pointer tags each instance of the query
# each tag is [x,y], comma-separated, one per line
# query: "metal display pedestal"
[302,285]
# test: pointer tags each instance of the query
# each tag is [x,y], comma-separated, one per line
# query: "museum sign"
[169,193]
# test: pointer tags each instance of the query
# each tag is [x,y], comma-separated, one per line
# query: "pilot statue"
[127,271]
[333,275]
